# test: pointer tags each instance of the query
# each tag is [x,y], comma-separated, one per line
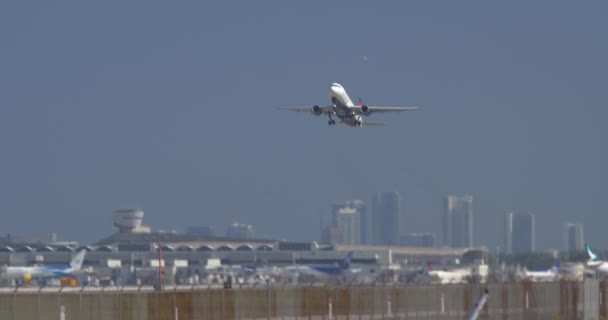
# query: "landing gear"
[331,121]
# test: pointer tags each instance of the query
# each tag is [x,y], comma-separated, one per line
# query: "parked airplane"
[344,109]
[323,272]
[450,276]
[27,273]
[594,261]
[475,272]
[546,275]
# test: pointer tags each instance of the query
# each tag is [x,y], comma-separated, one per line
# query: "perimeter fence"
[526,300]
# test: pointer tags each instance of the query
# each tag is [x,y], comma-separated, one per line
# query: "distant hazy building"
[386,218]
[365,224]
[523,233]
[346,219]
[331,235]
[205,231]
[573,237]
[240,231]
[425,240]
[458,221]
[508,233]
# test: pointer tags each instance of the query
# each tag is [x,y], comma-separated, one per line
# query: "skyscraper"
[346,220]
[523,234]
[508,233]
[573,237]
[365,224]
[458,221]
[386,218]
[330,235]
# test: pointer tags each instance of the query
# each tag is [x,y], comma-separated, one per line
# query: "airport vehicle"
[27,273]
[345,110]
[595,262]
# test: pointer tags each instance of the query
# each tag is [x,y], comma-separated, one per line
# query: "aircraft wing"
[317,110]
[380,109]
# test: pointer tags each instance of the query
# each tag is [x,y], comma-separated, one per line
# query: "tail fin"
[346,261]
[556,266]
[76,262]
[360,102]
[592,256]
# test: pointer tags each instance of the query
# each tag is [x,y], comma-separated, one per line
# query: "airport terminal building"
[135,248]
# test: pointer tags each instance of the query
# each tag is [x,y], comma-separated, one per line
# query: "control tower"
[129,221]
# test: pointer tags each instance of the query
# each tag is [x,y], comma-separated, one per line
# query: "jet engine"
[365,109]
[316,110]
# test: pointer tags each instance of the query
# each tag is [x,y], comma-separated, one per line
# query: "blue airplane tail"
[345,264]
[556,265]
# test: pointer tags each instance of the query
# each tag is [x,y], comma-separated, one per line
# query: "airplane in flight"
[594,261]
[27,273]
[343,108]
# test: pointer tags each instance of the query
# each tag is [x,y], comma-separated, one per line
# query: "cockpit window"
[336,85]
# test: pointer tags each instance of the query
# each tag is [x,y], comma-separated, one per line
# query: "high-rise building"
[386,218]
[508,233]
[346,219]
[458,221]
[240,231]
[365,224]
[523,233]
[425,240]
[331,235]
[573,237]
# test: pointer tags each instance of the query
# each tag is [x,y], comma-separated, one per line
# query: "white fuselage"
[599,266]
[548,275]
[35,272]
[343,105]
[19,272]
[452,276]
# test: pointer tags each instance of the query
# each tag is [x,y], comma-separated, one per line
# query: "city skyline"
[518,237]
[174,109]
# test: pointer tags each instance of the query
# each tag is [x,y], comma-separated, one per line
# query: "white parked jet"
[324,273]
[594,261]
[344,109]
[450,276]
[27,273]
[544,275]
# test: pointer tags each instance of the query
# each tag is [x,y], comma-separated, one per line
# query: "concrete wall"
[557,300]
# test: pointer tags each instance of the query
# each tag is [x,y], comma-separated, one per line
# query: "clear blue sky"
[172,107]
